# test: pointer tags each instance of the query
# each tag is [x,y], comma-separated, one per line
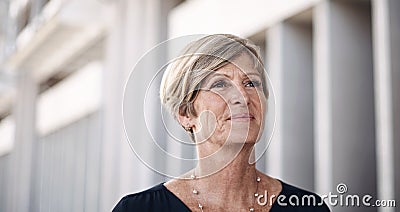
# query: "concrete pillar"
[136,27]
[291,73]
[344,99]
[25,136]
[113,138]
[322,98]
[92,164]
[274,48]
[394,7]
[386,33]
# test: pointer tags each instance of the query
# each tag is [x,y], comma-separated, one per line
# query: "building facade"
[64,65]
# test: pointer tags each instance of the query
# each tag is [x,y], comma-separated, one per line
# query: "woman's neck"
[226,160]
[228,170]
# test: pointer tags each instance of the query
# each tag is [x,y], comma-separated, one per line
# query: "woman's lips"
[241,117]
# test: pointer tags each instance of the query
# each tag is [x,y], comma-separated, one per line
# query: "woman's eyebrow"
[216,74]
[228,75]
[253,73]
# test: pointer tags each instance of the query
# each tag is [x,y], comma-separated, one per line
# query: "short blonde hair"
[184,75]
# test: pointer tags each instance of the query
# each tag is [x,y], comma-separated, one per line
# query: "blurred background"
[63,65]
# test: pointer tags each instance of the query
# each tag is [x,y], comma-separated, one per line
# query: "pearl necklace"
[196,193]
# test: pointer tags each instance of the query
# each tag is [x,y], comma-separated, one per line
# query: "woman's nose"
[239,95]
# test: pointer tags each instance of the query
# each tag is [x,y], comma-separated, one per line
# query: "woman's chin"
[238,138]
[244,135]
[237,135]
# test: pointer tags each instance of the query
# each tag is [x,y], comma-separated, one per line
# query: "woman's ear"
[184,118]
[187,122]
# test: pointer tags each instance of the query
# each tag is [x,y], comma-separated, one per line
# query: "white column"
[274,48]
[322,98]
[297,107]
[394,8]
[345,121]
[112,132]
[383,75]
[136,27]
[290,53]
[25,137]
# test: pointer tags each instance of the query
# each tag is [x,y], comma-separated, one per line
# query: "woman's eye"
[219,84]
[253,83]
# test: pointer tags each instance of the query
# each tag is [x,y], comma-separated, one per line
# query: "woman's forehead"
[242,65]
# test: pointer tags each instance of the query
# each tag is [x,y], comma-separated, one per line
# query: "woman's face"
[231,104]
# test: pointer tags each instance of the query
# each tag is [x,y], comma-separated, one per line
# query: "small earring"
[187,128]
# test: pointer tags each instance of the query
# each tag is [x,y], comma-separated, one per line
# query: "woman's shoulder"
[156,198]
[138,200]
[293,197]
[292,189]
[159,188]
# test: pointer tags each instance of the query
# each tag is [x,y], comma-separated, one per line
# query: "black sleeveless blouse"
[159,198]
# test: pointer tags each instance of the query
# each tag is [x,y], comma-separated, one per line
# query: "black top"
[159,198]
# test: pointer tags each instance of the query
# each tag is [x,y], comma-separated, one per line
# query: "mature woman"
[217,91]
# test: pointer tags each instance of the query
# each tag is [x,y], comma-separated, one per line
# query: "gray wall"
[66,174]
